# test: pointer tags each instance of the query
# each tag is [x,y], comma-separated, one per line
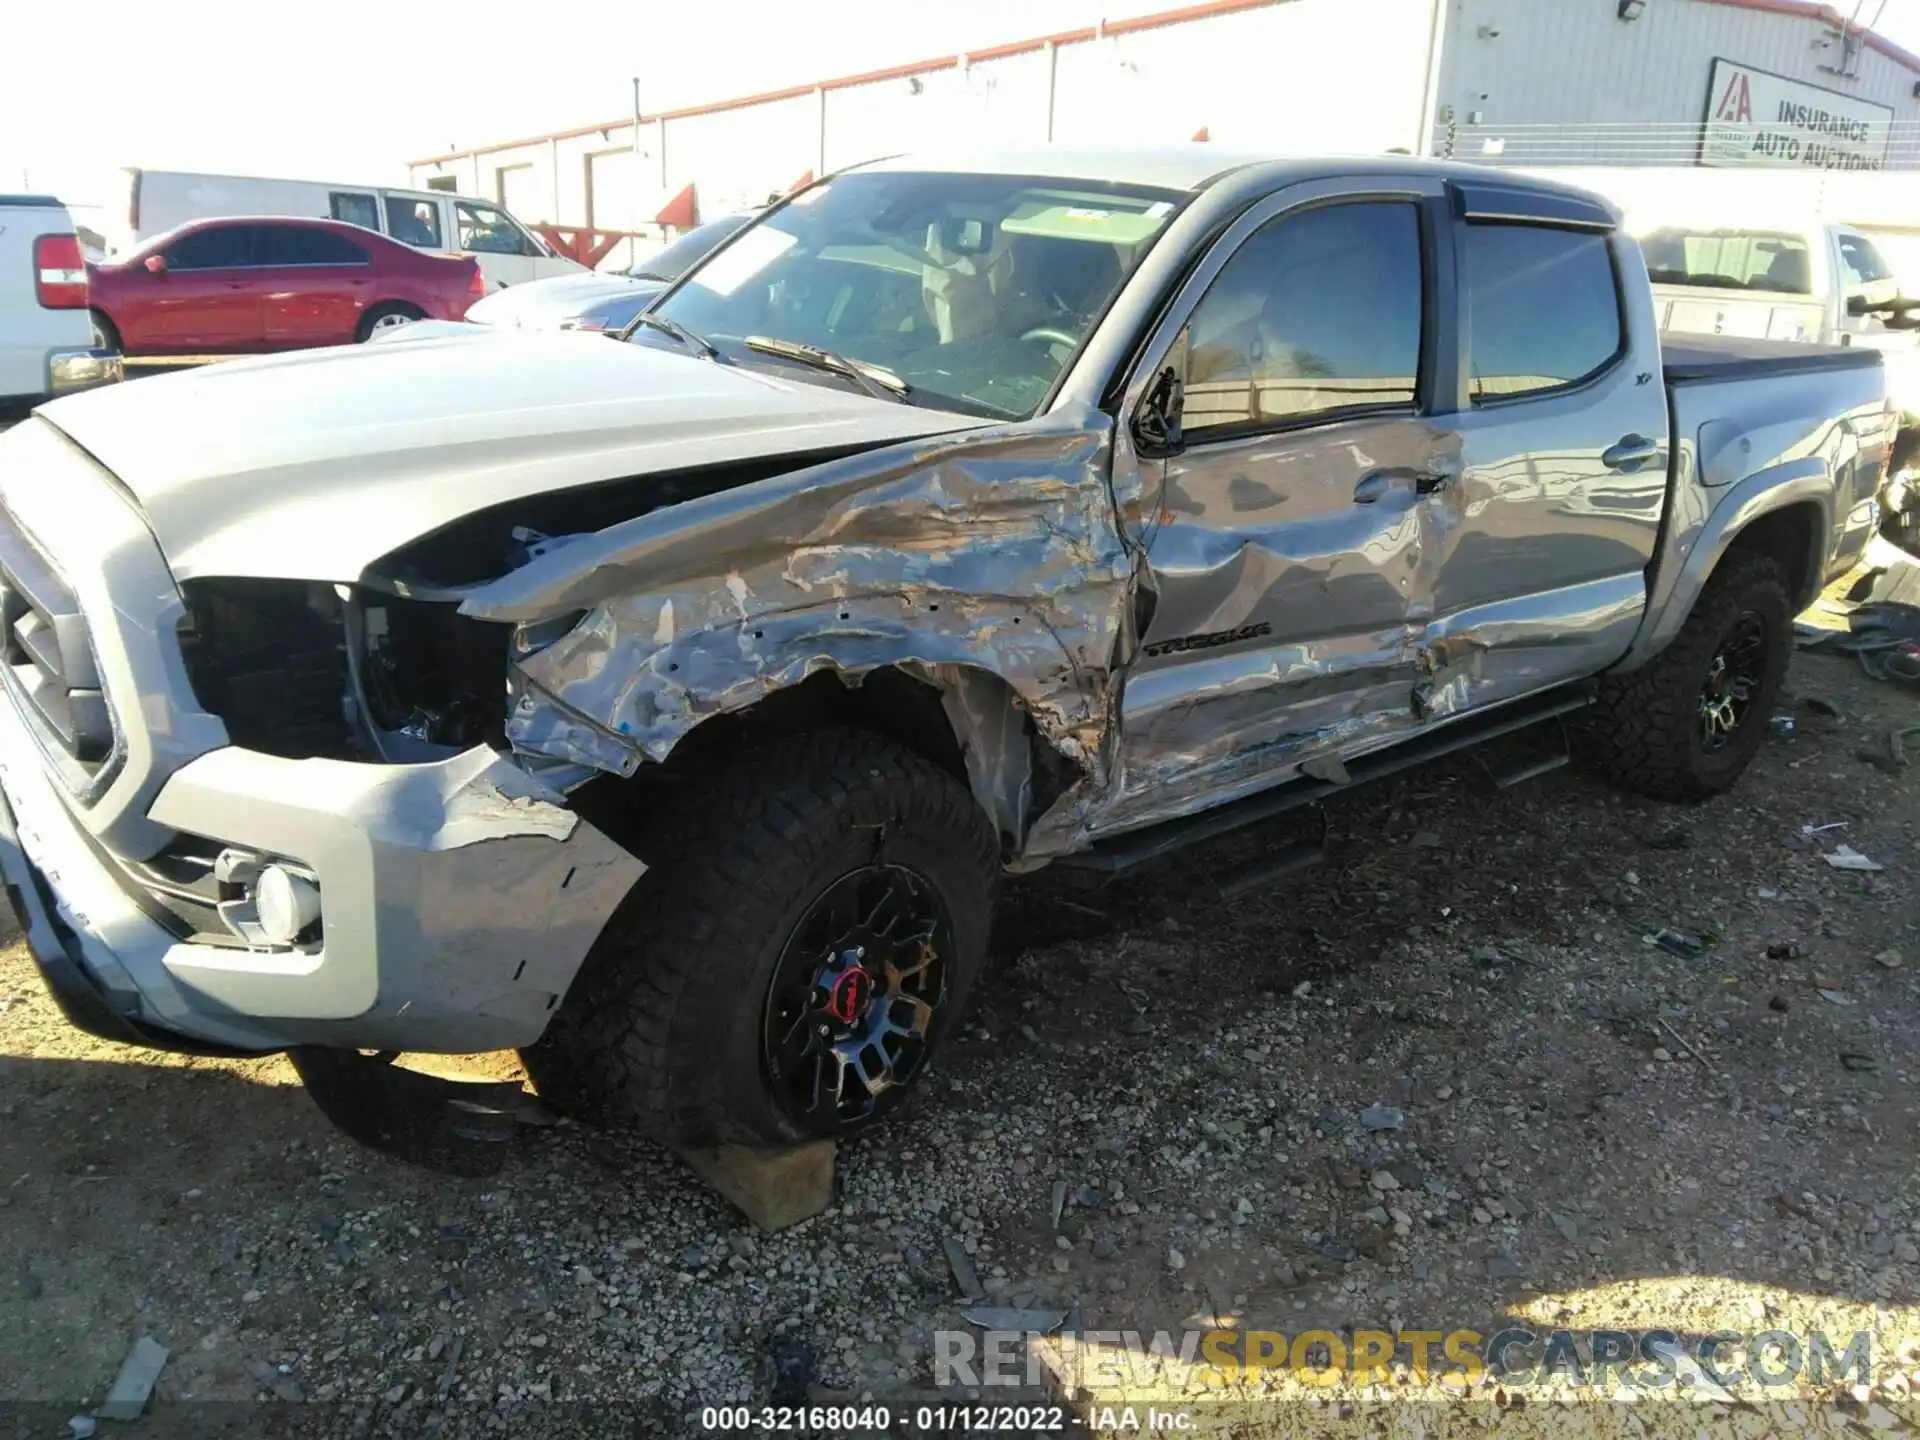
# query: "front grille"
[49,660]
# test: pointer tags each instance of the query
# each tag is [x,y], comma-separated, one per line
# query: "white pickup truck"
[46,336]
[1823,284]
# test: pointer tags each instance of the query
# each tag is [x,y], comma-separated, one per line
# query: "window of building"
[1543,308]
[1316,314]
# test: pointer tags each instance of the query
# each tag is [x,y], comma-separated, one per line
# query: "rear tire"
[389,315]
[1686,724]
[106,336]
[722,990]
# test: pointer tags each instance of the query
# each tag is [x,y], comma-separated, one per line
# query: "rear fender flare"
[1692,555]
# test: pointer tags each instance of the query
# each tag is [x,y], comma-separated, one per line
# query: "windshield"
[975,290]
[1770,260]
[673,260]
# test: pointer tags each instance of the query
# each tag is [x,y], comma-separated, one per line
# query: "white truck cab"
[509,253]
[46,334]
[1822,284]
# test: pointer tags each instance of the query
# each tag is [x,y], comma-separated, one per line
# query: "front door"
[1288,592]
[507,254]
[207,300]
[1538,552]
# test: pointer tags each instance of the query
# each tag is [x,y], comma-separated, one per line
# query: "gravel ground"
[1593,1132]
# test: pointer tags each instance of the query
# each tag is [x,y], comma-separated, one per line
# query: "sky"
[354,89]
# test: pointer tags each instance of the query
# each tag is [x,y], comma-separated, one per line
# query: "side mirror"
[155,264]
[1156,425]
[1857,305]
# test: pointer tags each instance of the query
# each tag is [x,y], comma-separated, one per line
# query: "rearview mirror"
[156,264]
[1857,305]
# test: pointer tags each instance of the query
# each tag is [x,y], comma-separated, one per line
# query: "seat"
[1789,272]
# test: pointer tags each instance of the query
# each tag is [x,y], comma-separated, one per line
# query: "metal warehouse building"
[1728,84]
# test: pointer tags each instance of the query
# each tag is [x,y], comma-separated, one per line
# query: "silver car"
[602,302]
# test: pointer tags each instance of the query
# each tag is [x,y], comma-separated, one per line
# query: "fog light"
[286,904]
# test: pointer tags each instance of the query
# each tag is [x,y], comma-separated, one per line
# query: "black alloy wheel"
[854,995]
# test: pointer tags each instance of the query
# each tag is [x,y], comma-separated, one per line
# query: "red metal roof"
[1827,15]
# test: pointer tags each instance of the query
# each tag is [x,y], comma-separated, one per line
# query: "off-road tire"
[1643,732]
[384,315]
[662,1027]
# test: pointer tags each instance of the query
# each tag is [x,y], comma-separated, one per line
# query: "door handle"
[1372,487]
[1629,453]
[1377,484]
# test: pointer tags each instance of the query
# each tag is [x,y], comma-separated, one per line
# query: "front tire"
[1686,724]
[106,336]
[390,315]
[805,938]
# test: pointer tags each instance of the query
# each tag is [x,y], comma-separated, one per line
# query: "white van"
[508,252]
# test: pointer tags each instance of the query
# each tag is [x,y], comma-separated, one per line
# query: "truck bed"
[1730,357]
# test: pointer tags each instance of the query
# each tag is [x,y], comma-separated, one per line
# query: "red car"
[254,284]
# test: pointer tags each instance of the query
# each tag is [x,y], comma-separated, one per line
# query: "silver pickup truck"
[669,706]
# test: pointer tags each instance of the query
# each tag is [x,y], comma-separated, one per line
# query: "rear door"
[1538,552]
[1286,538]
[316,283]
[208,300]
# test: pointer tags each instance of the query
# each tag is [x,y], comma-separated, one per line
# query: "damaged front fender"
[990,552]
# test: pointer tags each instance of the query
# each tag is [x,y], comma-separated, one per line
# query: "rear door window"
[1543,309]
[355,209]
[297,245]
[414,222]
[224,247]
[1316,315]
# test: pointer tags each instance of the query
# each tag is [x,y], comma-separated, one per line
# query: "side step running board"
[1138,847]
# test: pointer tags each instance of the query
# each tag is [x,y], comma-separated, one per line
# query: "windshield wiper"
[697,343]
[879,383]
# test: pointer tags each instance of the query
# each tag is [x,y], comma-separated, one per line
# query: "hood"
[543,304]
[313,465]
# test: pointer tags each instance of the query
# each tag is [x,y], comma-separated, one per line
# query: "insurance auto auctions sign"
[1758,118]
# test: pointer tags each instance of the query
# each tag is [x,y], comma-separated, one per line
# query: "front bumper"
[71,370]
[458,902]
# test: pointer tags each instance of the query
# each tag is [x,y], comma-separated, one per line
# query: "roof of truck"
[1194,166]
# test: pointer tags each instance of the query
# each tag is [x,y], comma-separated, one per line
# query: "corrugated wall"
[1543,62]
